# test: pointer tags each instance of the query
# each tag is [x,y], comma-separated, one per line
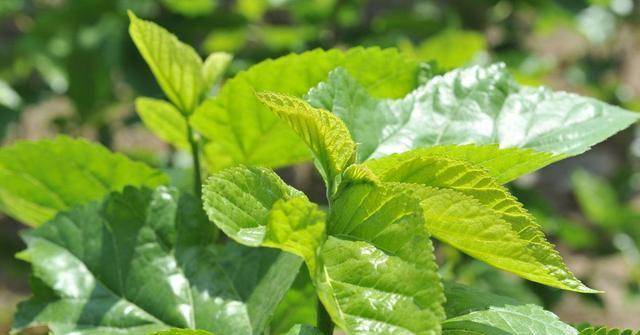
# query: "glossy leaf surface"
[238,126]
[378,273]
[39,179]
[144,260]
[480,105]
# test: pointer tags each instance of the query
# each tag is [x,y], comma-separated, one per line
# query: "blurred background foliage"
[68,66]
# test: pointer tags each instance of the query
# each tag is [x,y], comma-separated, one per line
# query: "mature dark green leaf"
[377,272]
[239,127]
[143,261]
[40,179]
[504,234]
[480,105]
[299,306]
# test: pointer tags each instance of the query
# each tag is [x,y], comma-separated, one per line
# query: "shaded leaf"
[143,261]
[164,120]
[176,331]
[39,179]
[238,126]
[324,133]
[304,330]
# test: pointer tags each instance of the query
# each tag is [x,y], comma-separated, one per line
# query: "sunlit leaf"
[40,179]
[164,120]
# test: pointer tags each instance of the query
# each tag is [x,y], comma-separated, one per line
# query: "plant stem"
[325,325]
[195,153]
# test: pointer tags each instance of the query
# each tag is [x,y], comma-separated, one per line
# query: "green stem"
[195,153]
[325,325]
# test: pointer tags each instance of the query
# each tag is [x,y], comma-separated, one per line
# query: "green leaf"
[214,67]
[508,319]
[504,165]
[323,132]
[176,331]
[40,179]
[238,126]
[164,120]
[143,261]
[255,207]
[463,299]
[451,48]
[377,272]
[496,229]
[599,201]
[176,66]
[299,306]
[480,105]
[472,311]
[599,330]
[304,330]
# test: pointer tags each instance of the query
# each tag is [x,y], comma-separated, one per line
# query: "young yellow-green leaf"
[214,67]
[145,260]
[39,179]
[297,226]
[324,133]
[176,66]
[536,258]
[239,127]
[377,272]
[480,105]
[255,207]
[164,120]
[175,331]
[503,164]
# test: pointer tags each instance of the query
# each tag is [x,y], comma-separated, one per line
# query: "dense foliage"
[407,157]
